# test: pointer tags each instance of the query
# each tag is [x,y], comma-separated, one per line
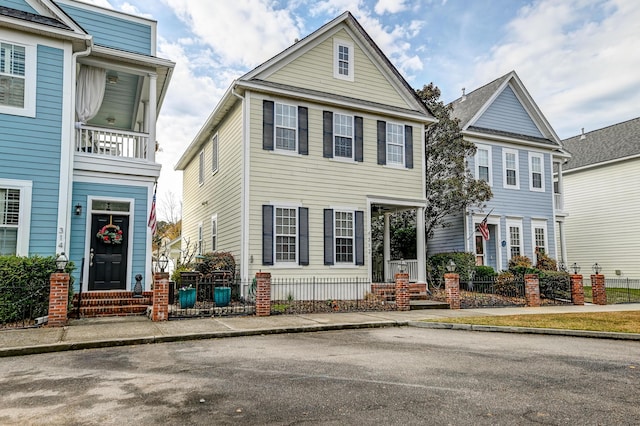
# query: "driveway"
[374,376]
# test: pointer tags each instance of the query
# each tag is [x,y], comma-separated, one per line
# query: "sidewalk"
[121,331]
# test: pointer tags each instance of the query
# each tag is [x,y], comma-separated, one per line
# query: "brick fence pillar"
[402,291]
[58,299]
[598,289]
[577,290]
[532,290]
[160,310]
[452,290]
[263,294]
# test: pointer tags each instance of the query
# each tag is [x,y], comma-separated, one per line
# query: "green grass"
[621,322]
[616,295]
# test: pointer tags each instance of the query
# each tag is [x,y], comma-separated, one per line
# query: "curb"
[95,344]
[526,330]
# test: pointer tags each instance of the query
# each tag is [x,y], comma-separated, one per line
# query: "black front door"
[108,257]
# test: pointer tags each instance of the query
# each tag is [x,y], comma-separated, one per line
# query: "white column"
[386,248]
[563,245]
[420,246]
[151,118]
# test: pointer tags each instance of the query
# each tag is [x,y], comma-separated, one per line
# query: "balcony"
[559,202]
[103,142]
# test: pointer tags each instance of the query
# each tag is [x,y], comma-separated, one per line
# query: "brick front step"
[387,291]
[112,303]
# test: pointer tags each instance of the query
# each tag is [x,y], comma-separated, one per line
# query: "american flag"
[484,229]
[152,215]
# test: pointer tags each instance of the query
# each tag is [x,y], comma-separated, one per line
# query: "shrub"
[506,284]
[545,263]
[485,271]
[465,264]
[24,286]
[217,261]
[555,284]
[175,275]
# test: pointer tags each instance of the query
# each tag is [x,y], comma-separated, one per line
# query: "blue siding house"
[80,90]
[518,153]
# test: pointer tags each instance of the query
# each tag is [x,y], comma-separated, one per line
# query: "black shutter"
[359,243]
[328,236]
[303,131]
[408,147]
[382,142]
[358,139]
[267,235]
[267,125]
[327,134]
[303,235]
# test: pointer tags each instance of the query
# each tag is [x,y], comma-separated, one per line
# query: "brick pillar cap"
[451,275]
[263,274]
[402,274]
[531,275]
[597,276]
[576,275]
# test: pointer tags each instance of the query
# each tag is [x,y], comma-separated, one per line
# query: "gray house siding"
[138,222]
[30,150]
[19,5]
[110,31]
[506,113]
[449,239]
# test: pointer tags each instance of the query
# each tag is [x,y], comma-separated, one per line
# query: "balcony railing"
[394,268]
[106,142]
[559,200]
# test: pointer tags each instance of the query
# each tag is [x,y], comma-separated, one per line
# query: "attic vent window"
[343,58]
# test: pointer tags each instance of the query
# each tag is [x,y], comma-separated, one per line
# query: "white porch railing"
[107,142]
[559,200]
[394,268]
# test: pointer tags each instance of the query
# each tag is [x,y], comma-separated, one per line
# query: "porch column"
[151,114]
[386,250]
[420,246]
[563,244]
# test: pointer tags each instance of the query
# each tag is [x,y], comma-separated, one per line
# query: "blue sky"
[579,59]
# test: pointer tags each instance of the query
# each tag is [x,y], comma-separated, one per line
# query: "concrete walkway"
[120,331]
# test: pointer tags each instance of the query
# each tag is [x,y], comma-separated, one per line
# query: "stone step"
[427,304]
[115,302]
[106,311]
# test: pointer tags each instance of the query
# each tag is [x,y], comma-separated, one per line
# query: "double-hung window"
[511,169]
[200,241]
[539,237]
[395,144]
[483,164]
[214,153]
[343,136]
[201,168]
[536,162]
[343,60]
[286,123]
[515,238]
[214,232]
[286,234]
[15,213]
[17,79]
[344,236]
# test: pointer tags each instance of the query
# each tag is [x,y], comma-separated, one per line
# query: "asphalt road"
[379,376]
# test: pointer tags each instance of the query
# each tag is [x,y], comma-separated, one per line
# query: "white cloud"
[389,6]
[578,59]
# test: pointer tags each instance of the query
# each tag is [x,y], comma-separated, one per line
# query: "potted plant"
[187,297]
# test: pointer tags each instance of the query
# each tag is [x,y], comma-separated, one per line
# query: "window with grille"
[343,135]
[511,168]
[514,241]
[537,171]
[286,124]
[395,144]
[344,236]
[286,234]
[9,220]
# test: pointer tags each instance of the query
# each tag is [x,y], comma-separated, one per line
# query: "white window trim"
[542,177]
[201,160]
[387,143]
[29,109]
[511,223]
[215,150]
[287,264]
[24,218]
[506,151]
[200,237]
[214,220]
[537,223]
[336,45]
[353,138]
[275,130]
[353,238]
[477,164]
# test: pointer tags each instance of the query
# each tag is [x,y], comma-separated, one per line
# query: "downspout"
[66,198]
[244,202]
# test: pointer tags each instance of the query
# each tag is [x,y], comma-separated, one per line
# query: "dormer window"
[343,53]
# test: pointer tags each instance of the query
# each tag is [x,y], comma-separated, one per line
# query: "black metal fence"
[555,289]
[216,294]
[619,290]
[20,306]
[480,292]
[317,295]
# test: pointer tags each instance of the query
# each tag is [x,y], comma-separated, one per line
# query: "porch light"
[78,209]
[112,78]
[575,268]
[596,268]
[451,266]
[402,266]
[111,120]
[163,262]
[61,262]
